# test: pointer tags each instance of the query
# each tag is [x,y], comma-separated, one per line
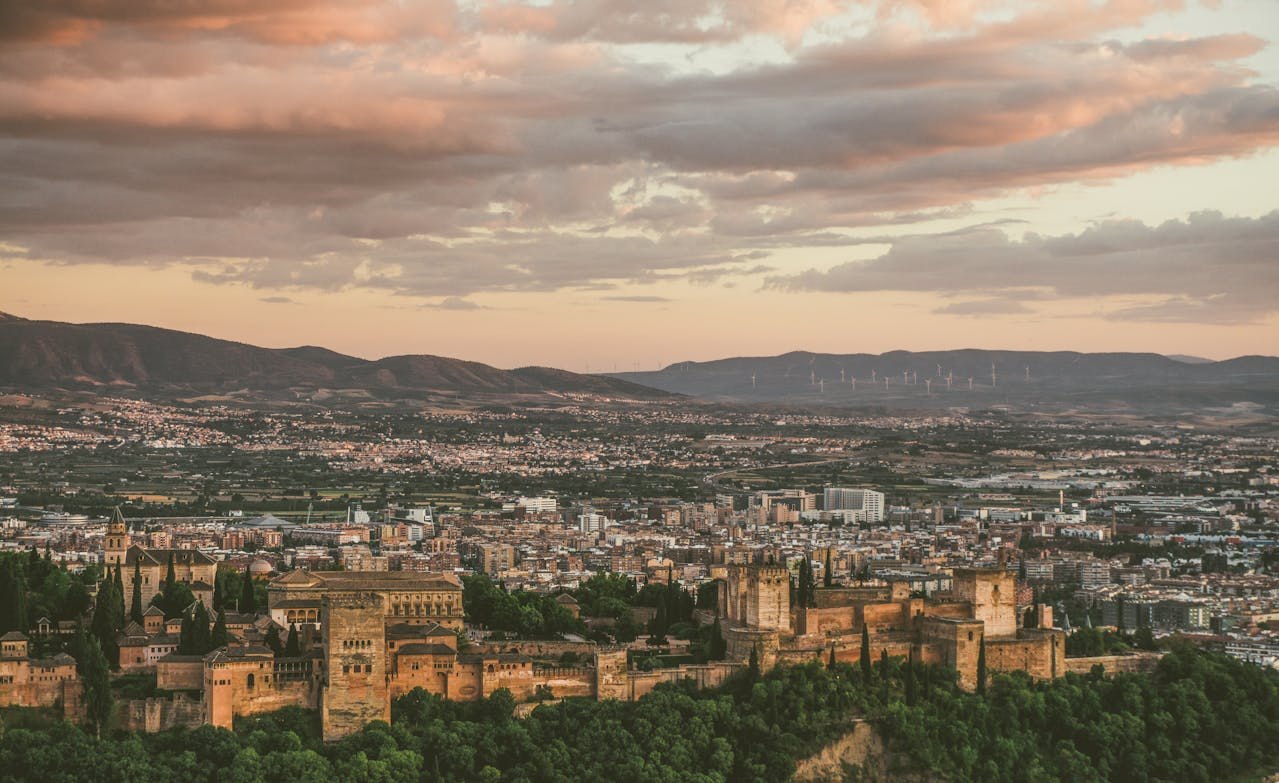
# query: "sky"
[623,184]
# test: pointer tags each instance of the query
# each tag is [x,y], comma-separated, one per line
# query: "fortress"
[374,636]
[949,630]
[369,637]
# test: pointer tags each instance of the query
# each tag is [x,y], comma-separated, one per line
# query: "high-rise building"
[845,499]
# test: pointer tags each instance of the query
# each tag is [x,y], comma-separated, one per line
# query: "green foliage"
[1199,717]
[529,615]
[135,600]
[1090,642]
[248,596]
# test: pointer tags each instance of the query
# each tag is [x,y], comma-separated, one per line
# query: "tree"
[717,647]
[865,656]
[92,666]
[248,601]
[883,664]
[830,663]
[117,596]
[220,636]
[828,579]
[981,668]
[104,624]
[752,665]
[135,602]
[273,639]
[910,685]
[170,575]
[293,647]
[801,597]
[218,579]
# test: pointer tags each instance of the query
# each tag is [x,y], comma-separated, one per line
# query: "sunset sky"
[626,183]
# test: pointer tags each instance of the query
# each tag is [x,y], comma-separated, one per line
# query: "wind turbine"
[948,379]
[939,371]
[872,377]
[928,385]
[812,377]
[993,377]
[752,380]
[821,386]
[854,384]
[904,378]
[914,377]
[970,384]
[1028,373]
[841,374]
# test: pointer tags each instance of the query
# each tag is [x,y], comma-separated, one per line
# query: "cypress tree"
[201,637]
[830,663]
[717,647]
[220,636]
[883,664]
[92,667]
[135,602]
[865,656]
[171,575]
[911,694]
[217,592]
[103,626]
[293,647]
[186,640]
[752,666]
[828,578]
[118,616]
[273,639]
[811,590]
[981,668]
[802,598]
[248,601]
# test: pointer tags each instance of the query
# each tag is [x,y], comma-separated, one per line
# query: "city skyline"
[538,184]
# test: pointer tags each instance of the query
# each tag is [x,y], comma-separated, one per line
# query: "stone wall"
[1134,663]
[154,715]
[1040,653]
[547,649]
[180,673]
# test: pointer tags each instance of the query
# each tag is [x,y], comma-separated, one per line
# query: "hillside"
[50,354]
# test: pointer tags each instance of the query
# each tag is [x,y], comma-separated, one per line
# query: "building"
[865,500]
[948,629]
[190,566]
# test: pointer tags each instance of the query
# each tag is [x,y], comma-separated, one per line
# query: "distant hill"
[52,354]
[1062,379]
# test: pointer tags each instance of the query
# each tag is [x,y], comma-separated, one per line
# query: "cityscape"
[596,391]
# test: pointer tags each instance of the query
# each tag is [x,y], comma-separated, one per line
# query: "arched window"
[249,682]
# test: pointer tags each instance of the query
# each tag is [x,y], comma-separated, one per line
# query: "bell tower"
[117,543]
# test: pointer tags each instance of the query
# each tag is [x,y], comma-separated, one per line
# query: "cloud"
[277,300]
[439,149]
[991,306]
[637,298]
[455,303]
[1208,267]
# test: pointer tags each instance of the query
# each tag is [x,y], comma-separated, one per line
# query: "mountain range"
[150,361]
[147,359]
[978,378]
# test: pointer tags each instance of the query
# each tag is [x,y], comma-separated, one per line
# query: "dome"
[260,567]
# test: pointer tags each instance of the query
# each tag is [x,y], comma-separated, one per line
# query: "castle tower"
[355,676]
[993,595]
[116,547]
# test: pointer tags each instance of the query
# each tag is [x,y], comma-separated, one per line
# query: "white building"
[845,499]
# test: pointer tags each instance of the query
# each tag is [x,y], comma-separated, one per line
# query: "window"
[346,669]
[249,682]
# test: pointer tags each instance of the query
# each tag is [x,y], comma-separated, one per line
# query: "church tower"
[117,544]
